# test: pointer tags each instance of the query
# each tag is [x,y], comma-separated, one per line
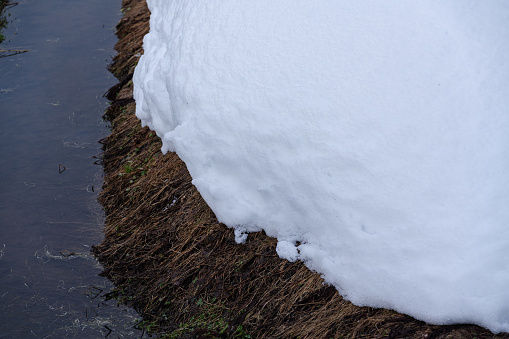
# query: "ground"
[3,21]
[181,269]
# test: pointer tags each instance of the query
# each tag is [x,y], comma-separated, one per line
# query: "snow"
[374,134]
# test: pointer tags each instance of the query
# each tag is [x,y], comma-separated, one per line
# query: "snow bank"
[373,133]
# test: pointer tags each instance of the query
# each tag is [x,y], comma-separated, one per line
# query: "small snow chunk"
[240,236]
[287,250]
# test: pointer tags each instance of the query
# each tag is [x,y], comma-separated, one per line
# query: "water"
[50,122]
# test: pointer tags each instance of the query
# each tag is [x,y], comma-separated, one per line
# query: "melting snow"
[374,134]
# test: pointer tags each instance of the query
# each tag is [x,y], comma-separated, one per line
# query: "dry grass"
[3,21]
[182,270]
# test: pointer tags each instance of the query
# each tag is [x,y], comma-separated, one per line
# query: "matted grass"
[3,21]
[182,270]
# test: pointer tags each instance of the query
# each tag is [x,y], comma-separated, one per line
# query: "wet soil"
[182,270]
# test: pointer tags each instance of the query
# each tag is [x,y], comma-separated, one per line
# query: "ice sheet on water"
[373,134]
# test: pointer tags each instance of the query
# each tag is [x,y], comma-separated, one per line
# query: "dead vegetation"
[3,20]
[183,271]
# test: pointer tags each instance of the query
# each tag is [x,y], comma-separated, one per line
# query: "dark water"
[50,122]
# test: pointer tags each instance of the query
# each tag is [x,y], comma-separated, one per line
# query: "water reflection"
[50,119]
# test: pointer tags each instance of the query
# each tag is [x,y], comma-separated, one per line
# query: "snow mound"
[374,134]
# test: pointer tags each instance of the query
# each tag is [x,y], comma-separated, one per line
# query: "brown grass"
[182,270]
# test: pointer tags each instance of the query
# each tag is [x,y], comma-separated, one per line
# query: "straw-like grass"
[183,271]
[4,4]
[3,21]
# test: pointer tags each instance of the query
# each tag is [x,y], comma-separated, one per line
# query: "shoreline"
[182,270]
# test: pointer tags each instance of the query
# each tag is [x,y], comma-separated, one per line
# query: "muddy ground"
[182,270]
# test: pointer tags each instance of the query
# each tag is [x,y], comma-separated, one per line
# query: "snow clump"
[371,138]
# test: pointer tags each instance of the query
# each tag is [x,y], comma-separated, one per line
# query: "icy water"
[50,122]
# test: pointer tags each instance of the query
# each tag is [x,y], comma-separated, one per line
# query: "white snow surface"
[374,134]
